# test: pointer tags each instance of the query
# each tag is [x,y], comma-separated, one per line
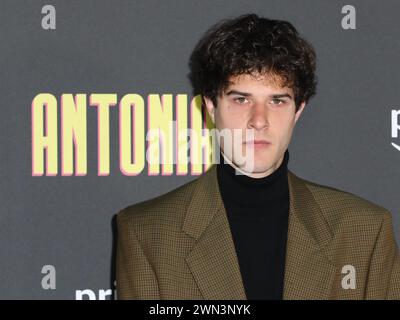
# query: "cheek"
[283,125]
[225,118]
[286,118]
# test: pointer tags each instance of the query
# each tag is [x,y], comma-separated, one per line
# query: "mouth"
[258,143]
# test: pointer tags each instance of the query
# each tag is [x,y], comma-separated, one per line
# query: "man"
[253,229]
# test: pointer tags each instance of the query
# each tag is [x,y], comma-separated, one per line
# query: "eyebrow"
[246,94]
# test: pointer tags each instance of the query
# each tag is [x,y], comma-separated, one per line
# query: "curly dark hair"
[249,44]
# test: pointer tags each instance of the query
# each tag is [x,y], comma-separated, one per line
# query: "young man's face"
[262,107]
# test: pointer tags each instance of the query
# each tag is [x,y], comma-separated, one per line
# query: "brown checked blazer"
[179,246]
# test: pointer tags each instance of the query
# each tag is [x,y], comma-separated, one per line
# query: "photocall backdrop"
[75,62]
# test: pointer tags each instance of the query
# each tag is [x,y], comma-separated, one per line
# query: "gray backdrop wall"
[344,138]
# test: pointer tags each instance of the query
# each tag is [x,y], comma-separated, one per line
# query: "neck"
[247,190]
[255,175]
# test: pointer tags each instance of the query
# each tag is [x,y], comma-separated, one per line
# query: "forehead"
[254,81]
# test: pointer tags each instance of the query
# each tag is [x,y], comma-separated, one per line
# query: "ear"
[210,108]
[298,113]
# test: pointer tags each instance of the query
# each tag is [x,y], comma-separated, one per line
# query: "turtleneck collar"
[246,191]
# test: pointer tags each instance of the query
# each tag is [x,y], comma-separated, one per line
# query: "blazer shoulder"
[343,207]
[165,209]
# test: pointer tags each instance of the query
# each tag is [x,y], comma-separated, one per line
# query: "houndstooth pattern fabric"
[179,246]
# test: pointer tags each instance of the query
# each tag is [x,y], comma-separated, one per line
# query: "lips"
[258,142]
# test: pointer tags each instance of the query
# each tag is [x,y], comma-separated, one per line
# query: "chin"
[257,167]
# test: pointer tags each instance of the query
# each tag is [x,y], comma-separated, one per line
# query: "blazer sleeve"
[394,282]
[135,277]
[384,273]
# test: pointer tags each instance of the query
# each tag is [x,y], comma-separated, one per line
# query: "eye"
[241,100]
[278,101]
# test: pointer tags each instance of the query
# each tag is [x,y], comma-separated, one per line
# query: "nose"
[258,118]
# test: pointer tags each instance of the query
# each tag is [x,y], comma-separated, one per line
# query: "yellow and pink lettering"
[44,134]
[73,134]
[160,132]
[200,139]
[131,132]
[103,102]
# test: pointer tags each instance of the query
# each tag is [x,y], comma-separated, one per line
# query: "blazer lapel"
[308,272]
[213,261]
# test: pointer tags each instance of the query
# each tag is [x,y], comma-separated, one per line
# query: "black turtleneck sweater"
[258,211]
